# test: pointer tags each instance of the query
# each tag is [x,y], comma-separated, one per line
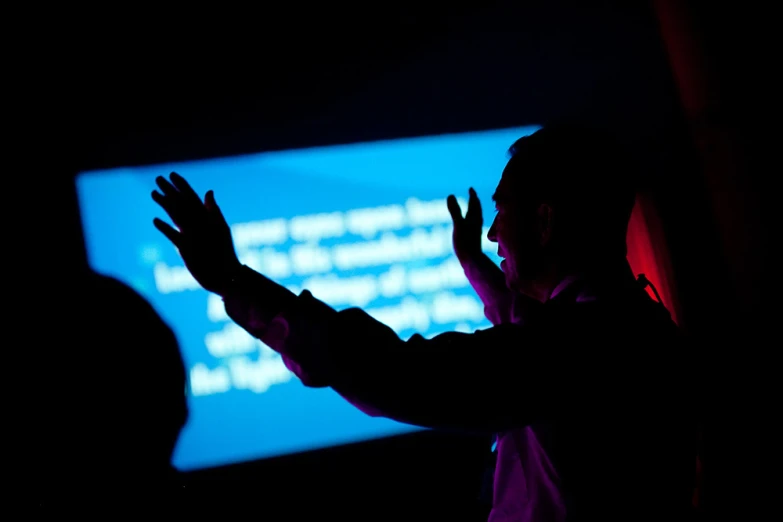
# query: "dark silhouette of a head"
[129,381]
[565,196]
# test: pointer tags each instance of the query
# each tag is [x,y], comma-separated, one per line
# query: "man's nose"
[492,233]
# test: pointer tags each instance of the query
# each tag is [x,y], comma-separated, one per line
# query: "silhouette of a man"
[582,377]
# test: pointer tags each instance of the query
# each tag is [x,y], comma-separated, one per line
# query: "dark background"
[128,86]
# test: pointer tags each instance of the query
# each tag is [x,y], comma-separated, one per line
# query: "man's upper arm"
[489,379]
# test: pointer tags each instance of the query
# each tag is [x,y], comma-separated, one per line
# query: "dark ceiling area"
[140,72]
[139,87]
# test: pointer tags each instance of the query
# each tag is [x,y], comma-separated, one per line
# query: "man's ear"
[544,216]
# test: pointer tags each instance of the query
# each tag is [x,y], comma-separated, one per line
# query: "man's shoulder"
[621,312]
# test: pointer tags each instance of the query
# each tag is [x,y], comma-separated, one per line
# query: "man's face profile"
[514,230]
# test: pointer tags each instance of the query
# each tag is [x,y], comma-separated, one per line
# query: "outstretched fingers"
[179,200]
[185,189]
[167,230]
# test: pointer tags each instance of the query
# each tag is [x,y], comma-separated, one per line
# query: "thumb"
[454,210]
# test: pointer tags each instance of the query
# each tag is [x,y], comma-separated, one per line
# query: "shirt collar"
[565,283]
[590,284]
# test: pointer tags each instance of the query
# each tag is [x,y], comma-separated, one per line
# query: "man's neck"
[541,287]
[559,277]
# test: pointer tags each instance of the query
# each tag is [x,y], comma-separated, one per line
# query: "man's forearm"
[419,381]
[488,281]
[253,300]
[266,311]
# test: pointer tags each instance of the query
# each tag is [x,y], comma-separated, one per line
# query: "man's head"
[128,383]
[563,205]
